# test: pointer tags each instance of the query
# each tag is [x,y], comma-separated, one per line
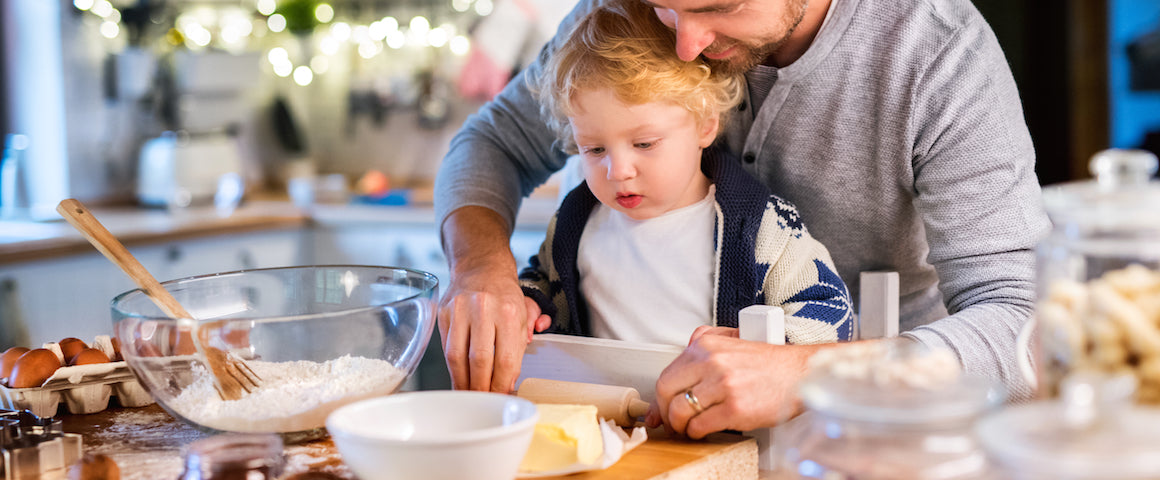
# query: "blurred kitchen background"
[342,109]
[271,89]
[98,90]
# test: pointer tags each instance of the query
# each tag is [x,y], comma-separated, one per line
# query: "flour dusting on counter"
[294,396]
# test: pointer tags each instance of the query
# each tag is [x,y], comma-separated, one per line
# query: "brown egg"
[70,346]
[94,467]
[116,350]
[145,348]
[8,360]
[182,342]
[89,356]
[33,368]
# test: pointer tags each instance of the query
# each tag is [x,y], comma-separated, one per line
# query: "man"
[895,127]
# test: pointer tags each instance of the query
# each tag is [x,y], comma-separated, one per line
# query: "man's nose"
[692,37]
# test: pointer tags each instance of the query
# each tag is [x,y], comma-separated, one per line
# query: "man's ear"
[708,131]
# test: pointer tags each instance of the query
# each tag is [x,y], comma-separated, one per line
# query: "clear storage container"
[234,456]
[1091,432]
[1098,273]
[894,412]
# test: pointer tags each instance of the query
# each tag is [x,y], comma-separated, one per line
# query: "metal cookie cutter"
[33,446]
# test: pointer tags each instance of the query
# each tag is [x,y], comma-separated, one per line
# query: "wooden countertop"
[148,444]
[22,241]
[25,241]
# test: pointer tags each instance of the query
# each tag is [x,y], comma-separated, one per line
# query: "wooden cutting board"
[720,456]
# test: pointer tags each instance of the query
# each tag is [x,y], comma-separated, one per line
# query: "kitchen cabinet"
[69,296]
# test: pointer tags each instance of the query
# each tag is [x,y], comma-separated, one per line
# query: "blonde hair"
[622,45]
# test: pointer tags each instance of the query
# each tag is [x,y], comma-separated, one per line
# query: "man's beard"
[749,56]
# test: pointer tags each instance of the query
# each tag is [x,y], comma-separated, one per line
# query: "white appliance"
[211,92]
[178,170]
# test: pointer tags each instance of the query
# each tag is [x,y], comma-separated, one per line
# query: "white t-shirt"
[649,281]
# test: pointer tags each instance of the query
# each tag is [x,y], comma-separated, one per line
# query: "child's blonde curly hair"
[622,45]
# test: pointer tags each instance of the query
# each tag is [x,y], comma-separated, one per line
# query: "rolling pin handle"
[637,408]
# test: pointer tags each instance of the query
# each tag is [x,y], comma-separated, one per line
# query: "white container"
[434,435]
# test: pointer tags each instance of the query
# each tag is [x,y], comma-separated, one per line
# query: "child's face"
[642,160]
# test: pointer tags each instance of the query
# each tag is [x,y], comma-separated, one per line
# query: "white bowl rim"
[462,437]
[434,287]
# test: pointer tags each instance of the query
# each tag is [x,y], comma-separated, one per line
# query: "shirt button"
[750,158]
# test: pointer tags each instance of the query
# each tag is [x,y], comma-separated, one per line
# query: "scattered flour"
[294,396]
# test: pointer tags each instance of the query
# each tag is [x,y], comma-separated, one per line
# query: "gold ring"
[693,402]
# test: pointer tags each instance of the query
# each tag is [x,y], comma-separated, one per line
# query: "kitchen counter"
[147,444]
[22,241]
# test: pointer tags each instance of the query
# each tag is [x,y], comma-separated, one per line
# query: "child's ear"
[708,131]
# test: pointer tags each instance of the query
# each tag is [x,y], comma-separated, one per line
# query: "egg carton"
[82,388]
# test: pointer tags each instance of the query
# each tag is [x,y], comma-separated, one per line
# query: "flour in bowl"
[293,397]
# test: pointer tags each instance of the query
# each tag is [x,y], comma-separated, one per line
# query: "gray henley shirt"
[899,135]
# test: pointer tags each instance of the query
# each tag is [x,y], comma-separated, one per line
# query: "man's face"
[732,35]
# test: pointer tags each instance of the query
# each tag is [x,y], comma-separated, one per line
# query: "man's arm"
[499,156]
[482,314]
[503,151]
[975,183]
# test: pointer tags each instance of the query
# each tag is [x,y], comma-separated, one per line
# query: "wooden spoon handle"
[76,214]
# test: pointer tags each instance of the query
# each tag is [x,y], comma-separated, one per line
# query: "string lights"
[235,29]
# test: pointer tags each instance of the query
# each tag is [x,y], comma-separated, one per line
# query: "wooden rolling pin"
[619,404]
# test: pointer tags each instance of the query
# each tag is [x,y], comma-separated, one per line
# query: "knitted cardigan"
[764,255]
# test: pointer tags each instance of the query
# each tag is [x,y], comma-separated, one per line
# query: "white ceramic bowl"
[434,435]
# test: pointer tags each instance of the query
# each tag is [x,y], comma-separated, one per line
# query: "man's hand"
[739,385]
[484,318]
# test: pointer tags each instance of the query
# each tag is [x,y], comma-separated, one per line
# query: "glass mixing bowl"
[319,337]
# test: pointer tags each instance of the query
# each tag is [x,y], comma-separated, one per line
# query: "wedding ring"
[693,402]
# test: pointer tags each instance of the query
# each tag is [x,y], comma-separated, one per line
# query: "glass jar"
[1098,276]
[1091,432]
[892,414]
[234,457]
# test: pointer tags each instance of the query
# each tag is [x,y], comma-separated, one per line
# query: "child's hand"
[707,330]
[537,322]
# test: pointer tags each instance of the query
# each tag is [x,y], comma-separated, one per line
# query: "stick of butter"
[564,435]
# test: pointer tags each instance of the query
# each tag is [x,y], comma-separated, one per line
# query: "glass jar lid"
[1092,431]
[1031,438]
[897,383]
[962,400]
[1122,194]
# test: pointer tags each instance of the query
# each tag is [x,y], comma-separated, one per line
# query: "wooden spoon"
[231,375]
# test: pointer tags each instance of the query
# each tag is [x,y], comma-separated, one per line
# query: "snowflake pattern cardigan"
[764,256]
